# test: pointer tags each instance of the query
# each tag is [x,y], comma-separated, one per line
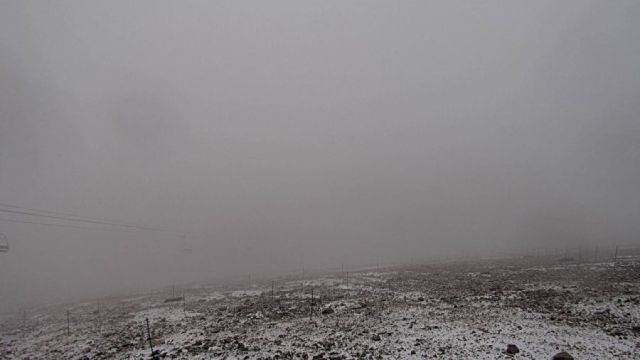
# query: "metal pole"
[149,335]
[68,327]
[579,254]
[311,306]
[99,319]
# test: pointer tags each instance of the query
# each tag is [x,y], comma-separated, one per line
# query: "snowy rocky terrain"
[464,310]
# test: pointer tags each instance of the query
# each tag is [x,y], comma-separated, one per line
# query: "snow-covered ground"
[467,310]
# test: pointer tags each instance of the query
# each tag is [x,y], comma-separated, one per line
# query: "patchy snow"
[244,293]
[452,310]
[167,314]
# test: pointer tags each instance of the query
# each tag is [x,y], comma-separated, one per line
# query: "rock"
[327,344]
[616,332]
[562,356]
[512,349]
[328,310]
[376,337]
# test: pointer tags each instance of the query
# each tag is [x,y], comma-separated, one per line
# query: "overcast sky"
[283,134]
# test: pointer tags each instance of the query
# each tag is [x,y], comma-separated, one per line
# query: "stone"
[328,310]
[562,356]
[512,349]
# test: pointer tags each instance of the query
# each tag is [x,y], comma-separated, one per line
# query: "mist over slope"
[263,138]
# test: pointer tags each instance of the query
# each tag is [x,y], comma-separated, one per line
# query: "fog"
[260,138]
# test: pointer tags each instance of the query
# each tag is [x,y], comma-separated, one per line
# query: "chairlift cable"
[66,225]
[86,220]
[60,213]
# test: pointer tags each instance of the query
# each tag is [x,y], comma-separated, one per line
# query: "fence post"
[68,327]
[579,254]
[149,336]
[311,306]
[99,319]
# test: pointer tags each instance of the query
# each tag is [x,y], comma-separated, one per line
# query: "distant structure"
[4,243]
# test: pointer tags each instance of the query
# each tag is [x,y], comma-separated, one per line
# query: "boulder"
[562,356]
[328,310]
[512,349]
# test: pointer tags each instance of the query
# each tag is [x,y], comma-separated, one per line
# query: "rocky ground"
[529,308]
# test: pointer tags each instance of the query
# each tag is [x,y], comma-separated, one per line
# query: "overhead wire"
[66,225]
[76,218]
[60,213]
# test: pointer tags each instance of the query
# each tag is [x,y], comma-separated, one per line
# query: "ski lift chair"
[4,244]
